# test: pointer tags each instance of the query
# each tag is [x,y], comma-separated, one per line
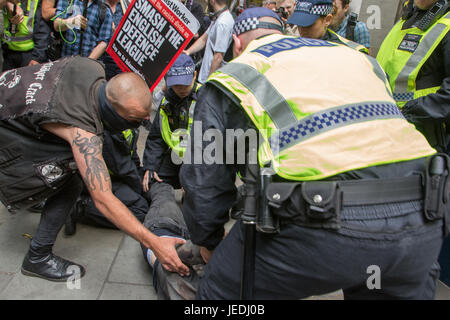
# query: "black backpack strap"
[350,32]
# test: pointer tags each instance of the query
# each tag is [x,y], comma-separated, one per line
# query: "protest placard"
[150,37]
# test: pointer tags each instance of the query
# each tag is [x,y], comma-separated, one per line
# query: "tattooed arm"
[87,152]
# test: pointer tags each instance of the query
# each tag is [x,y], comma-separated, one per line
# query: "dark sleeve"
[135,156]
[431,113]
[434,107]
[118,159]
[199,14]
[155,147]
[210,188]
[41,36]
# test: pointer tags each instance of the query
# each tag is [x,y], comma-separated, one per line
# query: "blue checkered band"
[406,96]
[321,122]
[181,71]
[245,25]
[317,9]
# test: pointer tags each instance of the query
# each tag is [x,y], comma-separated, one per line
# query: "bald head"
[130,96]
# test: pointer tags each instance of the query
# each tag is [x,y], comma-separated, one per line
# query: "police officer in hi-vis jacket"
[416,57]
[349,176]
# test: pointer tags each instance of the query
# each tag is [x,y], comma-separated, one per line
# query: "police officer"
[51,123]
[19,21]
[416,57]
[313,18]
[347,191]
[169,132]
[124,166]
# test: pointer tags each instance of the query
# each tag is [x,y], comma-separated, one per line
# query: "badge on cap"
[303,6]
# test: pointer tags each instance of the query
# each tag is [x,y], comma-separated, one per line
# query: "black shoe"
[50,267]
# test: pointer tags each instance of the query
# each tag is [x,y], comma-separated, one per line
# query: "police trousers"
[386,251]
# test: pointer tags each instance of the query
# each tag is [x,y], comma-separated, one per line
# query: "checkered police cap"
[307,12]
[317,9]
[248,20]
[181,71]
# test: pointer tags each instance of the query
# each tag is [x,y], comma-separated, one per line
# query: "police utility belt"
[319,203]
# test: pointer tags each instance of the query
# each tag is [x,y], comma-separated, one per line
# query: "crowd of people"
[37,31]
[359,167]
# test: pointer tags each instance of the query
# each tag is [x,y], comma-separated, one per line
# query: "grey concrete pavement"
[115,268]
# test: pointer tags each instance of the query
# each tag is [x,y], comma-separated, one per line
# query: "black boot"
[44,264]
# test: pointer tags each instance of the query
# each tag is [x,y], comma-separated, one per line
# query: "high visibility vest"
[22,40]
[403,53]
[349,43]
[128,135]
[321,108]
[177,140]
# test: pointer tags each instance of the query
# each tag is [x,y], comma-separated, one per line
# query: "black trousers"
[170,172]
[379,252]
[15,59]
[136,203]
[165,219]
[55,212]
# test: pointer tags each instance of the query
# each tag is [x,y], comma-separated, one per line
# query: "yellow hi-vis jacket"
[177,140]
[322,108]
[22,40]
[403,53]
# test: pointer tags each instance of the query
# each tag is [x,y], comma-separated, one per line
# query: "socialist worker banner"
[150,37]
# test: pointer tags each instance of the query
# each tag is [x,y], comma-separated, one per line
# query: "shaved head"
[129,95]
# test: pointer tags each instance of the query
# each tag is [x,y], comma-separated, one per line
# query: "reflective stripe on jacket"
[22,40]
[319,119]
[176,140]
[403,53]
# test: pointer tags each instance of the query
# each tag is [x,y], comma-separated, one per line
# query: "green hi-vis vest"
[403,53]
[322,108]
[349,43]
[128,135]
[22,40]
[178,139]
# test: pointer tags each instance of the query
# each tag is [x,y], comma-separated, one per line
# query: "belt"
[319,203]
[369,192]
[348,192]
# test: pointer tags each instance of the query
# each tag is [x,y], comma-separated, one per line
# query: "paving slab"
[13,245]
[442,291]
[125,291]
[129,265]
[93,248]
[5,278]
